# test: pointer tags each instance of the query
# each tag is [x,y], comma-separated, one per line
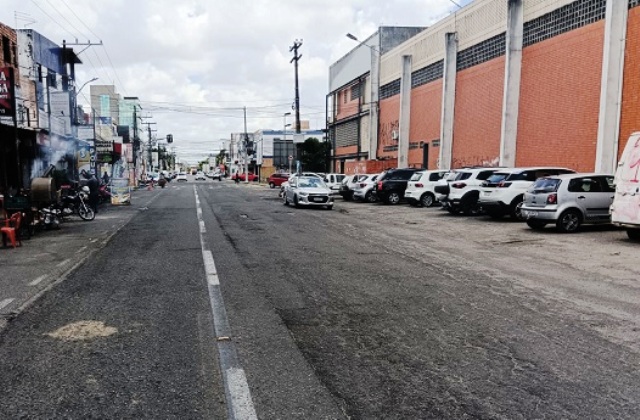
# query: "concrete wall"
[559,100]
[478,113]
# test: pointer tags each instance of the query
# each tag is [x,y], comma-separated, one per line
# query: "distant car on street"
[308,191]
[200,176]
[276,180]
[181,177]
[241,177]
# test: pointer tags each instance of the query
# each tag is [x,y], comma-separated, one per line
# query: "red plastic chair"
[10,230]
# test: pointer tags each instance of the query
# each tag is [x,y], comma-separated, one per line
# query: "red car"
[275,180]
[241,177]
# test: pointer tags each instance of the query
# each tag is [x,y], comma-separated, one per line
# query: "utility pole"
[150,161]
[297,44]
[246,149]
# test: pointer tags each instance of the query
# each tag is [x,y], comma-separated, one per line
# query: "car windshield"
[416,176]
[544,185]
[311,183]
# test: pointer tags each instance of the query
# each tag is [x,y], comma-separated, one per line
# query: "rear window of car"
[497,177]
[544,185]
[460,176]
[417,176]
[436,176]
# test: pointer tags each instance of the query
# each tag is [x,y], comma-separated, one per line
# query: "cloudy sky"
[195,64]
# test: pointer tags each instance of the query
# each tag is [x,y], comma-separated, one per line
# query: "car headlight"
[303,194]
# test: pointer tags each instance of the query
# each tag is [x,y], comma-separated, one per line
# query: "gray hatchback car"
[569,201]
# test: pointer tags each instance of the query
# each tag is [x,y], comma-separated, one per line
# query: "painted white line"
[210,268]
[239,403]
[5,303]
[65,262]
[81,250]
[240,395]
[38,280]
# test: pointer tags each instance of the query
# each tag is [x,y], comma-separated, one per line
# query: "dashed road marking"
[65,262]
[6,302]
[38,280]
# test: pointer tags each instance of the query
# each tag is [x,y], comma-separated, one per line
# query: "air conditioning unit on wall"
[394,135]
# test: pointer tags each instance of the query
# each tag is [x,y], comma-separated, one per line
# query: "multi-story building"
[514,83]
[277,149]
[353,98]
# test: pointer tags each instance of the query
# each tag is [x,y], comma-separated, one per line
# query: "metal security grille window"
[347,134]
[390,89]
[564,19]
[427,74]
[356,91]
[634,3]
[484,51]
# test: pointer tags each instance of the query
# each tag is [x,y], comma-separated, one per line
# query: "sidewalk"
[49,256]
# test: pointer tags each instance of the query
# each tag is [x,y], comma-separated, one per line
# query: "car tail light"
[380,185]
[503,184]
[552,199]
[458,185]
[419,185]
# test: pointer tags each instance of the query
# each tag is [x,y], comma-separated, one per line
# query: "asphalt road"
[366,311]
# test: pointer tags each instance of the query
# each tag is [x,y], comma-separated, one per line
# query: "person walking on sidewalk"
[93,184]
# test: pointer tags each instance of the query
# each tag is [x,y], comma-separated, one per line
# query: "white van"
[625,210]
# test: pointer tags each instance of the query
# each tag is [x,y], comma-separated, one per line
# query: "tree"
[221,158]
[312,154]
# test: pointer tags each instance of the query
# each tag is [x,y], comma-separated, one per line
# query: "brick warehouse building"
[514,83]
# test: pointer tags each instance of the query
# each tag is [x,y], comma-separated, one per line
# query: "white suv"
[459,191]
[420,189]
[503,192]
[362,189]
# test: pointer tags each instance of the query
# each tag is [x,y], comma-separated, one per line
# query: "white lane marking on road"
[65,262]
[37,280]
[240,395]
[81,250]
[210,268]
[203,228]
[235,380]
[6,302]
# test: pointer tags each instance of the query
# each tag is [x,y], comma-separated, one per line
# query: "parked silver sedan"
[569,201]
[307,191]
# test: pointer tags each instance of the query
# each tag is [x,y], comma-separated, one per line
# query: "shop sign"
[7,102]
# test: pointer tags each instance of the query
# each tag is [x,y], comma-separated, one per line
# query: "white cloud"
[217,56]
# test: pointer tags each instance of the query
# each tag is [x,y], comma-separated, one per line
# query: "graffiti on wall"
[387,131]
[487,161]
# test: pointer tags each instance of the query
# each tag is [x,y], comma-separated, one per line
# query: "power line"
[52,19]
[65,18]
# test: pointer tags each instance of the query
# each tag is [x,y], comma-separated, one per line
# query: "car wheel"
[295,201]
[516,209]
[272,185]
[536,224]
[471,209]
[569,221]
[369,198]
[328,207]
[453,210]
[633,234]
[284,200]
[393,198]
[427,200]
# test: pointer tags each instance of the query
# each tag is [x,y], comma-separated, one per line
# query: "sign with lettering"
[7,102]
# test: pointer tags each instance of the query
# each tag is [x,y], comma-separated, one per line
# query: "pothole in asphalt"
[82,330]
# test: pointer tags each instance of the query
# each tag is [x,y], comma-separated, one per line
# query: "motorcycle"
[76,202]
[50,217]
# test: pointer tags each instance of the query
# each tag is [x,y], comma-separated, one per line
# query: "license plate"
[530,213]
[486,193]
[318,199]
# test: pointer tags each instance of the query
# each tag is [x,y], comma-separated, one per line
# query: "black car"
[392,184]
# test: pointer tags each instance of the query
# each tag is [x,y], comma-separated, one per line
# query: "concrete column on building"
[448,100]
[615,33]
[512,78]
[405,113]
[373,107]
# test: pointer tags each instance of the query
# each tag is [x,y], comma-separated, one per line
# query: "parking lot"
[591,275]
